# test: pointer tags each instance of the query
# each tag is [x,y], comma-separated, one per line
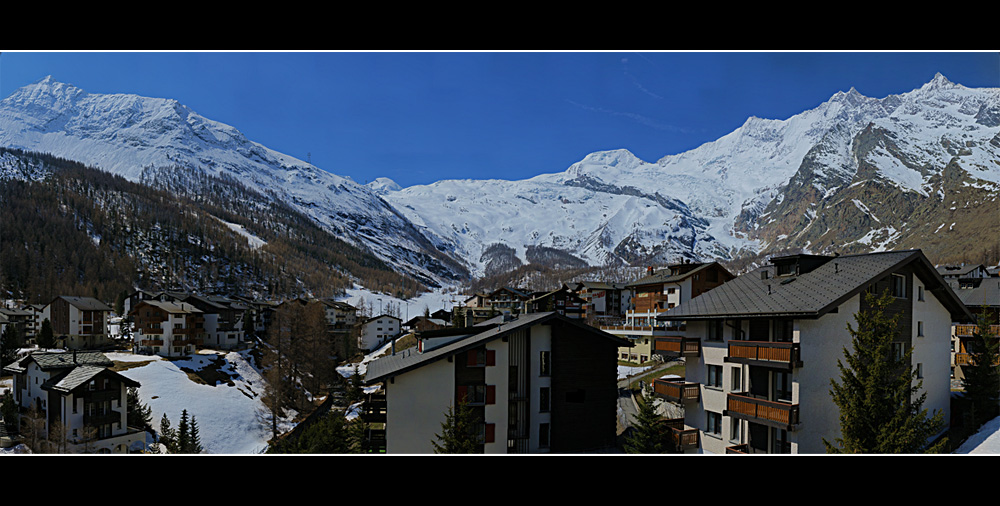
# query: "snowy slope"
[124,134]
[705,203]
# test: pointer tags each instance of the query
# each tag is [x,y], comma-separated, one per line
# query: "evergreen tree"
[982,376]
[168,437]
[649,432]
[10,341]
[184,433]
[194,445]
[457,431]
[139,414]
[881,407]
[45,338]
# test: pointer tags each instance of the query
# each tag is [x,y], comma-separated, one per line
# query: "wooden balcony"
[778,414]
[966,359]
[650,303]
[686,346]
[373,441]
[687,438]
[373,409]
[770,354]
[151,342]
[967,330]
[676,390]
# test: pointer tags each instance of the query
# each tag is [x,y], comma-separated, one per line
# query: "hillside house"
[78,323]
[562,300]
[604,303]
[762,349]
[981,296]
[223,319]
[659,291]
[79,391]
[377,330]
[539,383]
[506,299]
[169,329]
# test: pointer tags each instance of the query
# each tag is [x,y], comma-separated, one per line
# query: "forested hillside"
[70,229]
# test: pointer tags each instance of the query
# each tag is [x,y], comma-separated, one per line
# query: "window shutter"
[490,430]
[491,357]
[462,393]
[491,394]
[470,357]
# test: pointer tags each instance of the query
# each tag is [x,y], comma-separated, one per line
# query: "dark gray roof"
[664,276]
[814,293]
[59,360]
[987,293]
[85,303]
[80,375]
[957,270]
[410,359]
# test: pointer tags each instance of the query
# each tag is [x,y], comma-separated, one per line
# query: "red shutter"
[491,394]
[462,393]
[491,357]
[490,430]
[470,358]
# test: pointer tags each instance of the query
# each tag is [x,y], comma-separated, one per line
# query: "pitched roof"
[79,375]
[985,293]
[170,307]
[409,359]
[665,276]
[48,361]
[85,303]
[814,293]
[958,270]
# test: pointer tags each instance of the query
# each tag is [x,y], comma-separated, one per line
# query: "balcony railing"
[771,413]
[686,346]
[373,409]
[151,342]
[785,355]
[687,438]
[967,330]
[966,359]
[373,441]
[676,390]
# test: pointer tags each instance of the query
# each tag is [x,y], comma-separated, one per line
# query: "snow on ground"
[986,441]
[440,298]
[625,371]
[227,415]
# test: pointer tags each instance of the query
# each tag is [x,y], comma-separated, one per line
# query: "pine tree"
[10,341]
[982,376]
[184,433]
[45,338]
[139,414]
[881,407]
[195,438]
[649,432]
[168,437]
[457,431]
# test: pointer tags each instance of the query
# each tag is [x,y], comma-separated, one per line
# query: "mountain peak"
[938,82]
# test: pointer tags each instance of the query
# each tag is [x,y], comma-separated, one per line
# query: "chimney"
[649,270]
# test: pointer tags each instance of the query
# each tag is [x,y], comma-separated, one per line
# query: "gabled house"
[604,303]
[377,330]
[223,319]
[659,291]
[562,300]
[537,383]
[169,329]
[507,299]
[78,323]
[981,296]
[963,271]
[762,349]
[79,391]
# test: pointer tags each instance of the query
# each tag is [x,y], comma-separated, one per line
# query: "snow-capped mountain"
[732,196]
[129,135]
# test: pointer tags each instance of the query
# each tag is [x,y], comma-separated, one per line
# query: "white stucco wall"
[416,406]
[541,340]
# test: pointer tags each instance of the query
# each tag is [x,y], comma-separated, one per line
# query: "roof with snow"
[812,294]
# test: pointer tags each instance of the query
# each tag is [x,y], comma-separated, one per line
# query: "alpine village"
[210,295]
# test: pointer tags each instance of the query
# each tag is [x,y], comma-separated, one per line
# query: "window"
[783,331]
[714,376]
[782,386]
[920,329]
[543,435]
[714,425]
[714,330]
[920,371]
[898,286]
[897,351]
[543,399]
[920,293]
[737,378]
[734,430]
[545,364]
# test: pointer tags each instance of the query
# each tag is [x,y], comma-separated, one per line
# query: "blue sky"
[418,117]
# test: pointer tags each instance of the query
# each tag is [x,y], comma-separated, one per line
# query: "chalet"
[605,303]
[79,391]
[981,297]
[963,271]
[223,319]
[506,299]
[78,323]
[538,383]
[762,349]
[423,324]
[659,291]
[563,301]
[169,329]
[377,330]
